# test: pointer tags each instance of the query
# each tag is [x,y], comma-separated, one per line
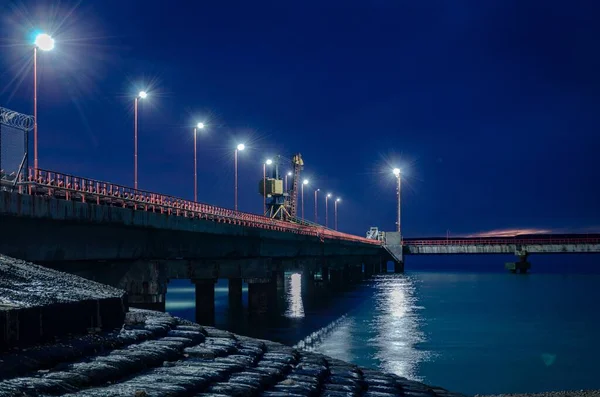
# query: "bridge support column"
[325,273]
[308,281]
[279,277]
[368,270]
[235,292]
[522,266]
[261,295]
[148,295]
[336,278]
[398,267]
[205,301]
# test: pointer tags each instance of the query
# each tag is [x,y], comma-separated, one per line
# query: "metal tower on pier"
[281,204]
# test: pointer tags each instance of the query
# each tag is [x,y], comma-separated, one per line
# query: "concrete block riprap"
[155,354]
[38,304]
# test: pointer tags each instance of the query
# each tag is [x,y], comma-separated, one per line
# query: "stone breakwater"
[155,354]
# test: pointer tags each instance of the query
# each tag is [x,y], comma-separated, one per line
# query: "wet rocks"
[155,354]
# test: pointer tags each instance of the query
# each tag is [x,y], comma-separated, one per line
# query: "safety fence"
[70,187]
[14,128]
[506,241]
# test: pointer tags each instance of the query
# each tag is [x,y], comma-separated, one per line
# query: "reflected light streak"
[397,325]
[295,307]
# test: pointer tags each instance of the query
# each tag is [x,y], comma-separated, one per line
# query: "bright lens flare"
[241,146]
[305,182]
[200,126]
[396,171]
[328,194]
[44,42]
[338,199]
[290,173]
[269,162]
[143,94]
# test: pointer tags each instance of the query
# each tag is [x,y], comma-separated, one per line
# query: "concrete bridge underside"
[139,251]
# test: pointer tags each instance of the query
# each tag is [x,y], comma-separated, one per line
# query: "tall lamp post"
[268,162]
[199,126]
[304,182]
[327,196]
[337,200]
[141,95]
[398,175]
[239,147]
[44,42]
[316,212]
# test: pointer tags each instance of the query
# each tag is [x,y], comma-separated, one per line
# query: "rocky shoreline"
[573,393]
[155,354]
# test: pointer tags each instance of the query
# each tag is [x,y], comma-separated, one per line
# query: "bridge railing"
[70,187]
[505,241]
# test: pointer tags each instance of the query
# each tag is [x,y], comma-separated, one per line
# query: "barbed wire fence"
[14,135]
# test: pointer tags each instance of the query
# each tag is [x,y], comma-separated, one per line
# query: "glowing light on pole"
[326,210]
[304,182]
[268,162]
[316,212]
[398,174]
[44,42]
[337,200]
[141,95]
[239,147]
[199,126]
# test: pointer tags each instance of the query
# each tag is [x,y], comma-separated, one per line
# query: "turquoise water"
[468,332]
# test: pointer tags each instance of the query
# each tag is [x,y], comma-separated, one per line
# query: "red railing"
[71,187]
[505,241]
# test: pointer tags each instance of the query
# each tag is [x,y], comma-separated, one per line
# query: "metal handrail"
[51,183]
[505,241]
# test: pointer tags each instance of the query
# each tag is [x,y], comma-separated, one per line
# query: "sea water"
[470,332]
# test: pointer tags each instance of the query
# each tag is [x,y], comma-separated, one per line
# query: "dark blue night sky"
[491,108]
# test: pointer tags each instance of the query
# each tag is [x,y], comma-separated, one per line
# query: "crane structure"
[281,204]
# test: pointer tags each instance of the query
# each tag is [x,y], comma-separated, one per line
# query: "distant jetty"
[101,348]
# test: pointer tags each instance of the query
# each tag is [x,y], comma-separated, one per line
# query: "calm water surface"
[468,332]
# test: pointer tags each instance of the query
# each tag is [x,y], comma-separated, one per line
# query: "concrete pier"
[235,291]
[205,301]
[261,295]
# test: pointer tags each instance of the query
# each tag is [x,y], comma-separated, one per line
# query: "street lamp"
[44,42]
[397,173]
[304,182]
[199,126]
[337,200]
[326,211]
[286,177]
[239,148]
[141,95]
[268,162]
[316,213]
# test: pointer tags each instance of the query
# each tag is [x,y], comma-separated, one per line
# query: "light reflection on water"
[295,307]
[386,325]
[397,326]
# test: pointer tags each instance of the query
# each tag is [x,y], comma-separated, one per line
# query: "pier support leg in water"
[336,278]
[205,301]
[325,274]
[261,295]
[522,266]
[235,292]
[147,295]
[398,267]
[279,278]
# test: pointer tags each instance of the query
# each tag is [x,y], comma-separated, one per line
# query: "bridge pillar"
[336,278]
[368,270]
[398,267]
[148,295]
[235,292]
[308,281]
[205,301]
[261,295]
[279,277]
[325,273]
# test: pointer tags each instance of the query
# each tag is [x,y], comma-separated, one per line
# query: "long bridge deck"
[69,187]
[539,243]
